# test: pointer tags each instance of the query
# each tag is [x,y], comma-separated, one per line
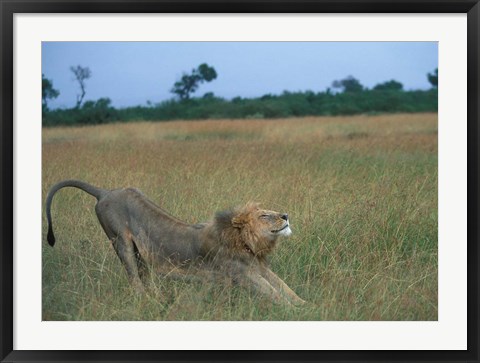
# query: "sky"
[134,73]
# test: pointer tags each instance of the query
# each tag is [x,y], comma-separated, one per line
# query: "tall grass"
[361,193]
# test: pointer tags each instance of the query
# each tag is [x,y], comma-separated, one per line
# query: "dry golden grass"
[361,193]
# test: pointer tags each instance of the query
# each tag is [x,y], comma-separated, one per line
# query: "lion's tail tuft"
[50,236]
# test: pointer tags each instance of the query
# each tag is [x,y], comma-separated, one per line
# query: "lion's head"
[251,230]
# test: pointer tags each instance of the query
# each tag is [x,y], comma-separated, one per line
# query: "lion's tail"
[90,189]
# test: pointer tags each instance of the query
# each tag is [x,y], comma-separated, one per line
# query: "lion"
[233,246]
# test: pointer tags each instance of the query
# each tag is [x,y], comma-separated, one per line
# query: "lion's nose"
[285,216]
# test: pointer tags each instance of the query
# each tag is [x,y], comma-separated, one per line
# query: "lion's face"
[271,223]
[260,228]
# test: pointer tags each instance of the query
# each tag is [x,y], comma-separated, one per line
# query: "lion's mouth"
[281,229]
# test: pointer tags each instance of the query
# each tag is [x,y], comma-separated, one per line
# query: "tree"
[48,92]
[433,78]
[349,84]
[209,96]
[189,83]
[81,74]
[389,86]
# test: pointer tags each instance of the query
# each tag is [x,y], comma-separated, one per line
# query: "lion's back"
[154,230]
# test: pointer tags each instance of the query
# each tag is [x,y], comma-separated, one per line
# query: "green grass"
[361,193]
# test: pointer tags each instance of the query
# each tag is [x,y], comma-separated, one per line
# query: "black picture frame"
[9,8]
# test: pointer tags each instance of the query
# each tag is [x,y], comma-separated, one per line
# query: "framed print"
[251,181]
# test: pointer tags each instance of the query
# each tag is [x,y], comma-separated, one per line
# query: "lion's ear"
[238,221]
[251,206]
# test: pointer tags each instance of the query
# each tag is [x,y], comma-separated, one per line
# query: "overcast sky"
[132,73]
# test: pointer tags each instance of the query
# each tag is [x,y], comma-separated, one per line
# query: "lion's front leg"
[191,274]
[253,279]
[279,284]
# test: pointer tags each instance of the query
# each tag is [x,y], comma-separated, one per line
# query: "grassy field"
[361,193]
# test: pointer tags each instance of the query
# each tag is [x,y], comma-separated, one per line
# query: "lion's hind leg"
[122,241]
[127,253]
[143,270]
